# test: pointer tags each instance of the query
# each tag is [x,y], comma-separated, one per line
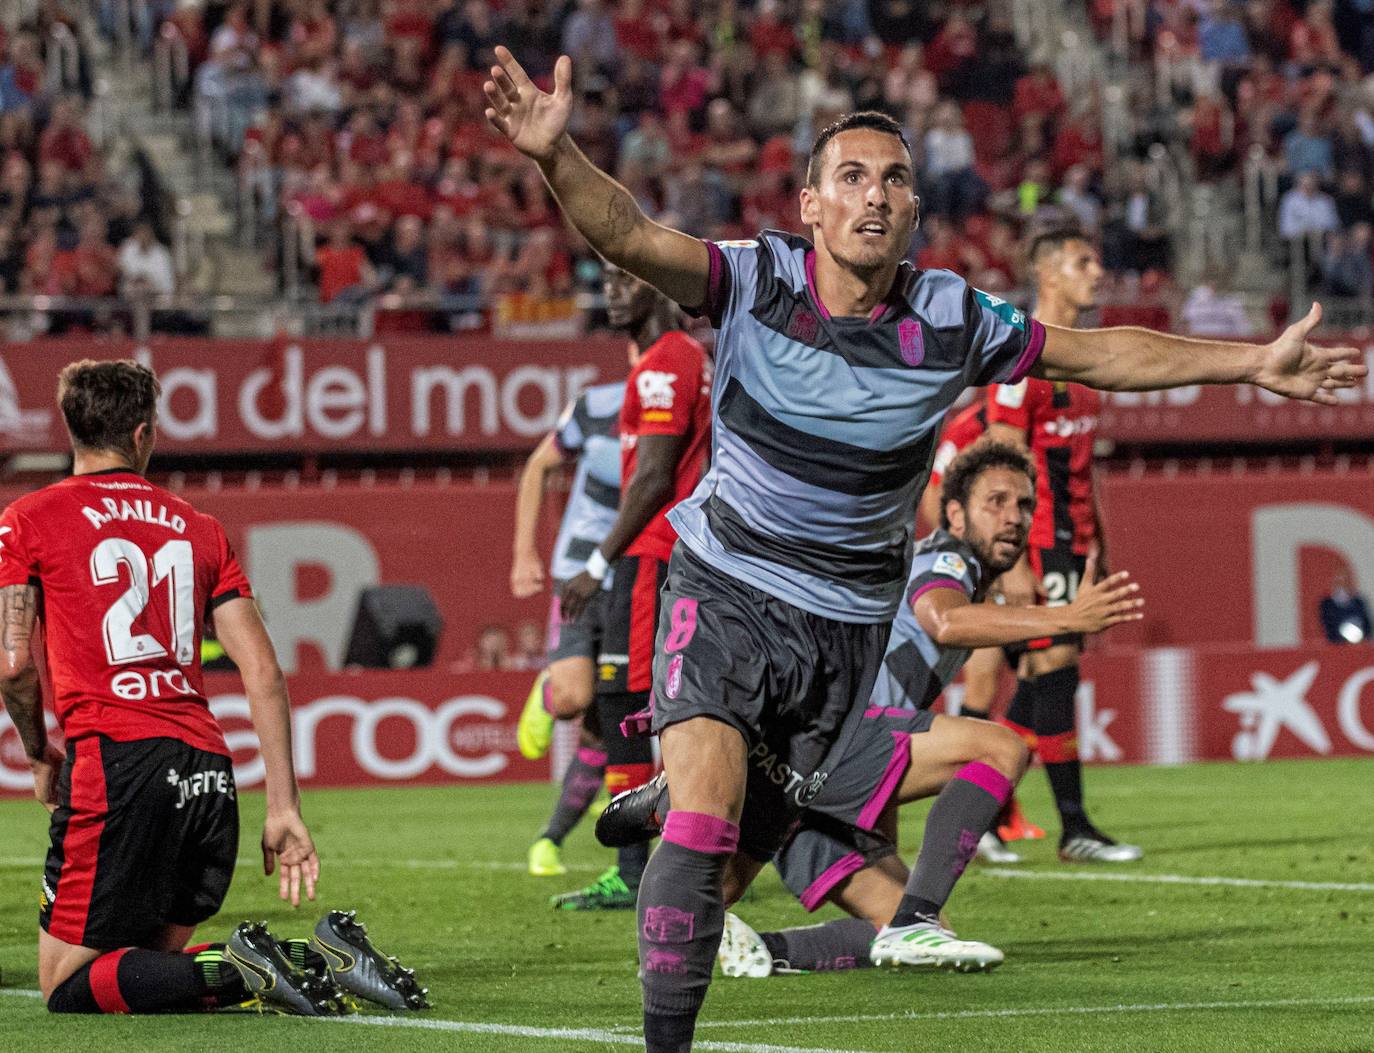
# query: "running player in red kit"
[1057,422]
[144,833]
[665,424]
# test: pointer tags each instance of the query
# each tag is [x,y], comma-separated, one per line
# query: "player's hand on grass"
[1300,370]
[1020,586]
[45,773]
[577,593]
[531,119]
[286,841]
[1100,604]
[526,575]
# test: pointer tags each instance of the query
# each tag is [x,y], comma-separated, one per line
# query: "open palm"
[531,119]
[1301,370]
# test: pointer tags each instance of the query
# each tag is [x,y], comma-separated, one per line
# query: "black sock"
[632,859]
[681,915]
[1057,743]
[581,782]
[974,714]
[134,980]
[831,947]
[1021,710]
[960,816]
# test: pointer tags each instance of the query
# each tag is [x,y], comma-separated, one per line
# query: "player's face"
[628,300]
[863,209]
[1076,273]
[997,519]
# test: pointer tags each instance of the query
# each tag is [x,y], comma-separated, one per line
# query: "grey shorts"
[579,639]
[789,681]
[836,836]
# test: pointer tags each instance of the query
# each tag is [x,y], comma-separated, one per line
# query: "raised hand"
[1101,604]
[531,119]
[1299,370]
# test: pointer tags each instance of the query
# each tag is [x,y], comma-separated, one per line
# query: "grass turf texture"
[438,877]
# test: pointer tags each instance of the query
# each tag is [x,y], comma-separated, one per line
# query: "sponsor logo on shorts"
[674,684]
[607,672]
[199,784]
[669,925]
[802,788]
[46,896]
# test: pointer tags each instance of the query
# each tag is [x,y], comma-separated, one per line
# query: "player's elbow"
[16,670]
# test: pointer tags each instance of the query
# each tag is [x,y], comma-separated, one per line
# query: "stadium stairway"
[202,188]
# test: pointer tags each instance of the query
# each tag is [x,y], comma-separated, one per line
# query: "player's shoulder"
[938,296]
[673,348]
[603,400]
[941,554]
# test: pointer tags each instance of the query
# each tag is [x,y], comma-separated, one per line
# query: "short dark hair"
[103,403]
[1051,239]
[965,469]
[879,122]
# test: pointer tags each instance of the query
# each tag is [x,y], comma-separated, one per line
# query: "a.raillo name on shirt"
[139,509]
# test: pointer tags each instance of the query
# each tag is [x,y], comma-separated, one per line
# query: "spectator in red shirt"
[64,140]
[684,85]
[1038,93]
[343,268]
[1079,142]
[770,34]
[94,265]
[635,31]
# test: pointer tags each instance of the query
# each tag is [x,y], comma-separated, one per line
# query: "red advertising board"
[416,393]
[1157,706]
[1237,558]
[1177,705]
[1238,413]
[374,728]
[480,393]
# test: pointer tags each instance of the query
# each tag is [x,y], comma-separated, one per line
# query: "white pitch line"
[564,1034]
[501,865]
[1177,879]
[1066,1010]
[575,1035]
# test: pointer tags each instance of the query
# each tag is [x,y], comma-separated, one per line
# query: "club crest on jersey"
[911,341]
[950,563]
[804,327]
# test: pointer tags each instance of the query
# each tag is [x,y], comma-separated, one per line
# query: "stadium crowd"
[362,121]
[68,228]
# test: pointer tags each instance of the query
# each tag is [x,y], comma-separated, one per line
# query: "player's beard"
[986,549]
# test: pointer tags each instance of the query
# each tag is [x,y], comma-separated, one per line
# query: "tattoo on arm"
[18,611]
[620,213]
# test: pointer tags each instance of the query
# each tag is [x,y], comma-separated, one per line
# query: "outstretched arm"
[1130,359]
[602,210]
[951,620]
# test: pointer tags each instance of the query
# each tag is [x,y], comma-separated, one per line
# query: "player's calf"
[136,980]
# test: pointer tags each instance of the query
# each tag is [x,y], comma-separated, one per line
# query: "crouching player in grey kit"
[835,364]
[896,751]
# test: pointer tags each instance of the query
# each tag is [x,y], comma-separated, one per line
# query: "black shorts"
[628,617]
[784,678]
[145,835]
[1060,571]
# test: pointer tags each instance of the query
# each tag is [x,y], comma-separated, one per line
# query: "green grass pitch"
[1283,964]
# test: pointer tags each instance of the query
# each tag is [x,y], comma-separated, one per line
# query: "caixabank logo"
[1303,713]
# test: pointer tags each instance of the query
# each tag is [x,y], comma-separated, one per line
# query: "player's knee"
[568,699]
[1006,751]
[72,994]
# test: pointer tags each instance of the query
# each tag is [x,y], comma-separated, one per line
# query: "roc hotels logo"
[17,424]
